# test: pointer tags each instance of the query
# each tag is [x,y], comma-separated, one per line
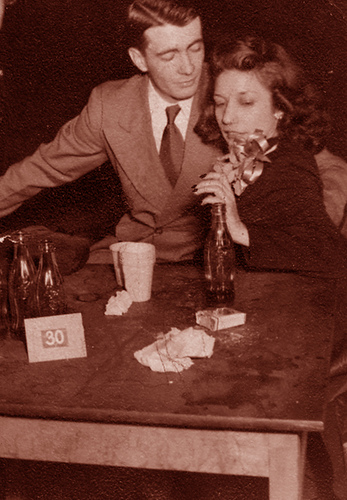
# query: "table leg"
[287,453]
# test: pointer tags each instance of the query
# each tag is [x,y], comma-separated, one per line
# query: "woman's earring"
[278,115]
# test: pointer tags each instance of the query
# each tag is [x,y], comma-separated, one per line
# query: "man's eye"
[247,103]
[168,56]
[197,47]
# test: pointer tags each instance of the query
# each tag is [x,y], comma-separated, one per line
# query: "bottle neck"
[48,262]
[21,254]
[218,216]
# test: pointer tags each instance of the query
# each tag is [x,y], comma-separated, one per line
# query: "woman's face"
[242,105]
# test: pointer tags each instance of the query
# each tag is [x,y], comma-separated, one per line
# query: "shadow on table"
[29,480]
[35,480]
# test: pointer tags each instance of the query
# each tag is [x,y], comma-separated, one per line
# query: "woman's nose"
[229,115]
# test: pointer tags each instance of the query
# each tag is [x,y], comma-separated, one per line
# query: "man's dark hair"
[144,14]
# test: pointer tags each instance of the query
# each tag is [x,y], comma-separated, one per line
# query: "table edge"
[162,419]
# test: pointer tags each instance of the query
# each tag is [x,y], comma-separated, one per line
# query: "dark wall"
[56,51]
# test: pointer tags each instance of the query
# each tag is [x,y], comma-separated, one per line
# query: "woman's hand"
[218,190]
[225,165]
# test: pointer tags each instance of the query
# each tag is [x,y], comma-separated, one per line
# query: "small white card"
[55,337]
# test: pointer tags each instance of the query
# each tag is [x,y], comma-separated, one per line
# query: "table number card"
[55,337]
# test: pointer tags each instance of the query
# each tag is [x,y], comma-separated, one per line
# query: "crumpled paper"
[118,304]
[173,351]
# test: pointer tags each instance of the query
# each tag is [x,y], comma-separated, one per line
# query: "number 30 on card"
[54,338]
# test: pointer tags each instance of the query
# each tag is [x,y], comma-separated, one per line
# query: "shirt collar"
[156,102]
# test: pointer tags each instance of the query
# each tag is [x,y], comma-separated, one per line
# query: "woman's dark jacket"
[289,228]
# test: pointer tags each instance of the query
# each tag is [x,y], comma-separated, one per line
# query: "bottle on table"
[21,288]
[4,306]
[219,261]
[50,294]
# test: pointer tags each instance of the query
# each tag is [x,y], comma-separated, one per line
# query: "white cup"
[134,263]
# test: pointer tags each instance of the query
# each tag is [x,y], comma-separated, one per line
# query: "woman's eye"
[247,103]
[218,104]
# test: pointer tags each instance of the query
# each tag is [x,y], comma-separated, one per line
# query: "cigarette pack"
[220,318]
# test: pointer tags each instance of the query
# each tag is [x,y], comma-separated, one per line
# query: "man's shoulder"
[119,89]
[328,161]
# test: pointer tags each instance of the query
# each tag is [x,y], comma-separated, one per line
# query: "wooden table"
[244,411]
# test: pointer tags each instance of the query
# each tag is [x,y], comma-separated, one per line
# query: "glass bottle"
[50,293]
[21,287]
[219,260]
[4,306]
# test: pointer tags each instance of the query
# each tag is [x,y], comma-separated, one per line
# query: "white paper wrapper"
[173,351]
[118,304]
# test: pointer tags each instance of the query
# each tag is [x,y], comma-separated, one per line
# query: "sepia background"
[53,52]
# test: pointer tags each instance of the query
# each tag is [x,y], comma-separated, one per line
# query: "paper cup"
[137,262]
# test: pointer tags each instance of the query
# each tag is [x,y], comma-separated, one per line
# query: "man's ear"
[138,59]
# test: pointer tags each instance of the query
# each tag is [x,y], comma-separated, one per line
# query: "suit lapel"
[132,140]
[198,159]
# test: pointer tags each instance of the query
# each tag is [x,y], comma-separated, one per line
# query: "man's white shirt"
[157,107]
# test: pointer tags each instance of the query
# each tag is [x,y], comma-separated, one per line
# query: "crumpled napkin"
[118,304]
[173,351]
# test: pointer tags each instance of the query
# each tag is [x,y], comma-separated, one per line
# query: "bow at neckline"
[245,162]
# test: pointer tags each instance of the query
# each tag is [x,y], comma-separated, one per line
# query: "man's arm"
[333,172]
[77,149]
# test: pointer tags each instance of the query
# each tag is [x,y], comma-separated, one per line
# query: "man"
[124,122]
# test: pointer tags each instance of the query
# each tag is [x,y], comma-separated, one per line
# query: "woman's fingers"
[210,188]
[212,182]
[211,199]
[217,189]
[223,166]
[212,175]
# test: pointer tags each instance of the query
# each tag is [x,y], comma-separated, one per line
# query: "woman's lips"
[233,136]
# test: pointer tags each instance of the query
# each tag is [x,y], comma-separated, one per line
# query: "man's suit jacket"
[333,172]
[116,125]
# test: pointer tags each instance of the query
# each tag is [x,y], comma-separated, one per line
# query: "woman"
[268,118]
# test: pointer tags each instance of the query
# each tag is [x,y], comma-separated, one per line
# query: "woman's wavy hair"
[304,120]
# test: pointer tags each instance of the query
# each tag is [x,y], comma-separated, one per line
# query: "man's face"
[173,58]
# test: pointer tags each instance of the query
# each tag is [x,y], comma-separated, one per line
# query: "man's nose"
[186,65]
